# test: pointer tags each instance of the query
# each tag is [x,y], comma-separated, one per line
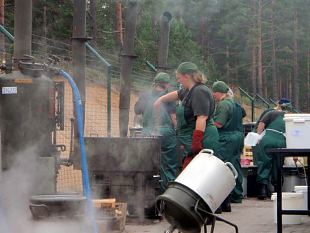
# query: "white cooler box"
[297,128]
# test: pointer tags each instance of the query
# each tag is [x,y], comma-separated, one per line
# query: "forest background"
[263,46]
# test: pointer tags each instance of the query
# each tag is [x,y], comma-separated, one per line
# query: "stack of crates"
[246,158]
[110,215]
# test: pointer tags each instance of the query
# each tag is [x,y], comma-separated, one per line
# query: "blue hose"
[85,177]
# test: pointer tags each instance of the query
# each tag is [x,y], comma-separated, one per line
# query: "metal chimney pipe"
[164,41]
[127,56]
[22,30]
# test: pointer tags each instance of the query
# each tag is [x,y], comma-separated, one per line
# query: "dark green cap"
[220,86]
[162,78]
[187,67]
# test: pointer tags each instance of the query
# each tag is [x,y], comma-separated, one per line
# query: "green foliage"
[182,46]
[106,35]
[212,72]
[229,27]
[147,39]
[59,15]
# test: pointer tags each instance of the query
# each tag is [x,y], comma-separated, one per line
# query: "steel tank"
[126,168]
[27,114]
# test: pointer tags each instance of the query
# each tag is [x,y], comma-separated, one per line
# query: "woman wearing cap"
[228,120]
[195,128]
[273,125]
[162,125]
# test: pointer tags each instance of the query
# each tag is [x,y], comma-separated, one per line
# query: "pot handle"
[232,168]
[208,151]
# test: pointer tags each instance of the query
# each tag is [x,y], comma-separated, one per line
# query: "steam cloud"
[18,184]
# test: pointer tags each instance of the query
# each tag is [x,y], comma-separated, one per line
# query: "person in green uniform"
[277,107]
[228,120]
[195,128]
[273,126]
[160,125]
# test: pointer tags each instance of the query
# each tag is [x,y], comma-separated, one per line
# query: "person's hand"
[196,146]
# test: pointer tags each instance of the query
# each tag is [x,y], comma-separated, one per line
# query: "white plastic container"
[289,162]
[290,201]
[297,127]
[304,191]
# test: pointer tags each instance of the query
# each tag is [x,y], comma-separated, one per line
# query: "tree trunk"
[275,89]
[280,88]
[203,36]
[260,50]
[289,85]
[45,30]
[119,23]
[254,52]
[126,65]
[93,21]
[295,79]
[227,63]
[254,69]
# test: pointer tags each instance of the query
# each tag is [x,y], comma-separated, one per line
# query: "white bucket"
[290,201]
[304,191]
[297,128]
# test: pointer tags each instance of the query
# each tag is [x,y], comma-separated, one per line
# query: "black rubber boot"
[262,192]
[226,207]
[219,210]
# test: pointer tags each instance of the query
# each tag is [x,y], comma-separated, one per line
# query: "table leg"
[308,180]
[279,193]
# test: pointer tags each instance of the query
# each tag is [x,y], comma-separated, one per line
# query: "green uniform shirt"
[224,111]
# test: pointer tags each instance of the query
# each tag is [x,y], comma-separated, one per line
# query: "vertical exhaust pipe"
[164,41]
[22,30]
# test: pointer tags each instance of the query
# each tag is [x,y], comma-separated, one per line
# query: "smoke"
[189,11]
[18,184]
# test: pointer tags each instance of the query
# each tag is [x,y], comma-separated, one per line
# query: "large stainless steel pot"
[209,177]
[201,187]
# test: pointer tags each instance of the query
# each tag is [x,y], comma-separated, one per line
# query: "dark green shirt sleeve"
[201,101]
[223,112]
